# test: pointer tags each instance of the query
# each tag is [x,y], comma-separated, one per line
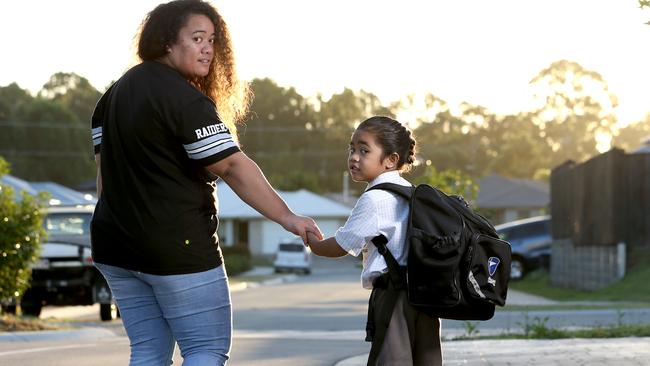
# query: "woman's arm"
[325,248]
[249,183]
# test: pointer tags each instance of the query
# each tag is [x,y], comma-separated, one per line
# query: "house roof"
[644,148]
[302,202]
[59,194]
[496,191]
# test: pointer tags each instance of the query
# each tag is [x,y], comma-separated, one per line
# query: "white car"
[292,255]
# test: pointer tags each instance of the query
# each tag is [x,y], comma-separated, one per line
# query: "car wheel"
[108,312]
[9,309]
[31,308]
[517,269]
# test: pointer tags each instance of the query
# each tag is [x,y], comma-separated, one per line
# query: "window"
[67,224]
[291,247]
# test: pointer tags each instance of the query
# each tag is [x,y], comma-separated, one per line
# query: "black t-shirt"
[157,213]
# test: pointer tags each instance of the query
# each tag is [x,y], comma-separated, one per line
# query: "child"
[380,148]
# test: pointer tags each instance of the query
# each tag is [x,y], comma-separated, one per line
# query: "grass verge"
[11,323]
[540,331]
[633,288]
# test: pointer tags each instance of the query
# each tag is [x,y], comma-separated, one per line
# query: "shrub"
[21,233]
[237,259]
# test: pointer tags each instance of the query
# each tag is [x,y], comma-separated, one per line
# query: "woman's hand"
[301,225]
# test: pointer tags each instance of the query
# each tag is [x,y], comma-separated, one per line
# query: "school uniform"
[412,337]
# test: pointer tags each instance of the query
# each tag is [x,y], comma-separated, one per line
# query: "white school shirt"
[376,212]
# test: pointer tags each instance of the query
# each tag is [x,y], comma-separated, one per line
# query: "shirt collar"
[386,177]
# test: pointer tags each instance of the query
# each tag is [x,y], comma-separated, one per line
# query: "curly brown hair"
[161,27]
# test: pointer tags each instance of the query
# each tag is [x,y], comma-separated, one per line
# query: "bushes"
[237,259]
[21,233]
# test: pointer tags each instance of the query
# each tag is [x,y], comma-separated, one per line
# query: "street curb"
[54,335]
[274,281]
[101,333]
[353,361]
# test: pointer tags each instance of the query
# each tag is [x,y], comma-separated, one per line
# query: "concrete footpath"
[559,352]
[631,351]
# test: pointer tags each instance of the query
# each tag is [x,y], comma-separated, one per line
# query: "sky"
[482,52]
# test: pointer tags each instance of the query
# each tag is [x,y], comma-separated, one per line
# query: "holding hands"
[303,226]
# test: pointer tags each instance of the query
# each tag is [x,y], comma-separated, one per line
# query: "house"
[511,199]
[241,224]
[644,148]
[238,222]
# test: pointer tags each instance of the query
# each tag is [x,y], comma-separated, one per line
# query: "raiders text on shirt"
[210,130]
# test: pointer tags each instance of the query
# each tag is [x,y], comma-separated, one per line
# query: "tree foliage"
[644,4]
[632,136]
[575,109]
[449,181]
[43,137]
[74,92]
[301,142]
[21,233]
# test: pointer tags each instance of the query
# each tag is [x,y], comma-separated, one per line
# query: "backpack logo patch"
[493,263]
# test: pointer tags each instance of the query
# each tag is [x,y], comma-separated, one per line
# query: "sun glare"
[603,142]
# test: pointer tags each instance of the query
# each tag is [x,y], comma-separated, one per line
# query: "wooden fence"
[603,201]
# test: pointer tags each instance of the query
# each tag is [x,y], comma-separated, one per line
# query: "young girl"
[380,149]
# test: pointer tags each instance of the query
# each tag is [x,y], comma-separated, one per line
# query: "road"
[312,320]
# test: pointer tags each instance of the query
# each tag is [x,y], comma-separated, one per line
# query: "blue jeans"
[192,309]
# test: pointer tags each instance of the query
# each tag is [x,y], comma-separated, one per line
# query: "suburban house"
[241,224]
[511,199]
[238,222]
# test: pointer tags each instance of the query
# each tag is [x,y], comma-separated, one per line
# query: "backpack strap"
[380,241]
[378,323]
[397,280]
[403,191]
[394,271]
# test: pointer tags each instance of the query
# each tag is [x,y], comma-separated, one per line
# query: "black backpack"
[457,266]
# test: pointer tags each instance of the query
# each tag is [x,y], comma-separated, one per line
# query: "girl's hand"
[301,225]
[312,238]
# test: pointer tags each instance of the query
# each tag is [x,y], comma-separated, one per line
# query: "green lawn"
[540,331]
[634,287]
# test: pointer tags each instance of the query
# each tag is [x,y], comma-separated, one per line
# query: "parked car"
[292,255]
[64,274]
[530,240]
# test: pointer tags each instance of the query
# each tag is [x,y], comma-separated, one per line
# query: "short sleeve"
[360,228]
[97,120]
[205,138]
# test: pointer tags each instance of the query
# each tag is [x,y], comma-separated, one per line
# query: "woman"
[158,139]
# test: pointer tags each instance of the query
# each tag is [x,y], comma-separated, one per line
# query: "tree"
[513,146]
[336,119]
[21,233]
[277,134]
[12,99]
[295,180]
[451,142]
[43,137]
[74,92]
[41,110]
[633,135]
[575,110]
[644,4]
[449,181]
